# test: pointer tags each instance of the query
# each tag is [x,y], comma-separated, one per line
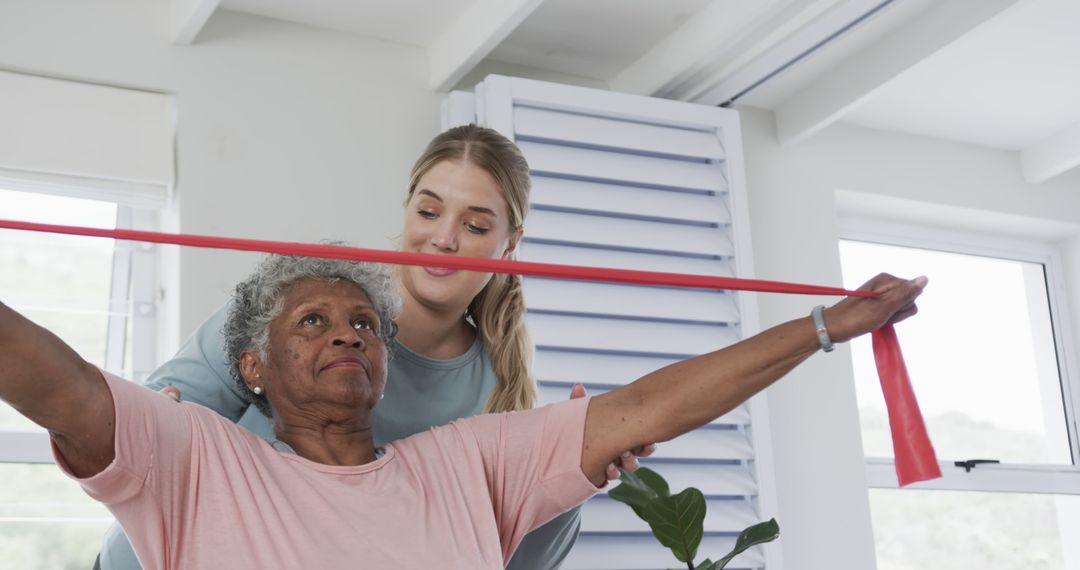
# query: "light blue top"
[420,393]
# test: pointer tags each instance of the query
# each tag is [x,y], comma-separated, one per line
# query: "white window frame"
[1004,477]
[135,272]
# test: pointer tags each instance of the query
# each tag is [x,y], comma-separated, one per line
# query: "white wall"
[284,131]
[824,507]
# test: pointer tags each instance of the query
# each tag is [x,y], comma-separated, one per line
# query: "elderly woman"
[307,344]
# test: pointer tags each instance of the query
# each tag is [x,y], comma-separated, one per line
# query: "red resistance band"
[909,438]
[915,458]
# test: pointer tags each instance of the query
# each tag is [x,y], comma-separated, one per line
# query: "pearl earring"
[257,390]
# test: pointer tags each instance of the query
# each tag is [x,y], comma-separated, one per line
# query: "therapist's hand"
[629,459]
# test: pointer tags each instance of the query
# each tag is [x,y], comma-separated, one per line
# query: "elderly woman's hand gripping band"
[686,395]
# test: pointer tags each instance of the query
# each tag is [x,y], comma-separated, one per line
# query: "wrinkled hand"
[628,459]
[172,392]
[855,316]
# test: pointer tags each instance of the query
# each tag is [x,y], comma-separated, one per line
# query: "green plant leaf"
[638,488]
[760,533]
[707,565]
[678,521]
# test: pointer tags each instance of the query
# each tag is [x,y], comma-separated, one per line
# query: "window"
[98,296]
[988,358]
[115,168]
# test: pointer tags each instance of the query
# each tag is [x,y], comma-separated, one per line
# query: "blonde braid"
[499,315]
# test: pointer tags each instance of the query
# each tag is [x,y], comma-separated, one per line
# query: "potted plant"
[678,521]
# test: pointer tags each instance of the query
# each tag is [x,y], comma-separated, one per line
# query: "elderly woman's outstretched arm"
[46,381]
[684,396]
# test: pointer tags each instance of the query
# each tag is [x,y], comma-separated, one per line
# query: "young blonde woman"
[461,348]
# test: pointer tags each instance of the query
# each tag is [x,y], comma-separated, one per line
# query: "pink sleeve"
[151,432]
[533,465]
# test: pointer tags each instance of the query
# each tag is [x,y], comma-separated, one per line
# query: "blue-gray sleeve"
[546,547]
[116,551]
[200,371]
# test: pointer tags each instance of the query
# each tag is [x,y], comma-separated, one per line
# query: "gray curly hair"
[259,299]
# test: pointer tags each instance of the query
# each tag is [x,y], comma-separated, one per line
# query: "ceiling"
[1008,84]
[412,22]
[561,35]
[1003,74]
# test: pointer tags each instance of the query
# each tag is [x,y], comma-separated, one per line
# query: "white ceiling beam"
[189,17]
[472,37]
[786,43]
[1051,156]
[831,95]
[706,36]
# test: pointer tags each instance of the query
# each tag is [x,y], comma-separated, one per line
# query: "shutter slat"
[619,335]
[614,200]
[614,552]
[603,514]
[574,255]
[553,393]
[707,444]
[703,445]
[614,233]
[603,166]
[713,480]
[588,130]
[585,368]
[629,300]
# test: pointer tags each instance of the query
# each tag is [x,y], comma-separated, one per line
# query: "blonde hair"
[498,311]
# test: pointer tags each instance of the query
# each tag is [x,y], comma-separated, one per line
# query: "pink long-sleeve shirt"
[192,490]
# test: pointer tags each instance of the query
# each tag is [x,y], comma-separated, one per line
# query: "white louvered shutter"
[638,183]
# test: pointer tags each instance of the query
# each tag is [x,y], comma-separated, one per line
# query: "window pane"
[980,353]
[60,282]
[915,530]
[46,521]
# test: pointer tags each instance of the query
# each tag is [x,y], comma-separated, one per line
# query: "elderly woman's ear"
[249,369]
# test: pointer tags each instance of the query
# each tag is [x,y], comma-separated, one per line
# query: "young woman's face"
[456,209]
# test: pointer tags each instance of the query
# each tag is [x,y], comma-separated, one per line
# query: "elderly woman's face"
[325,356]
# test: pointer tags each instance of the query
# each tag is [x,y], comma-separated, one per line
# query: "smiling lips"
[345,362]
[439,271]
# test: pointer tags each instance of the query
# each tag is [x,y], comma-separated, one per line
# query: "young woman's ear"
[515,238]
